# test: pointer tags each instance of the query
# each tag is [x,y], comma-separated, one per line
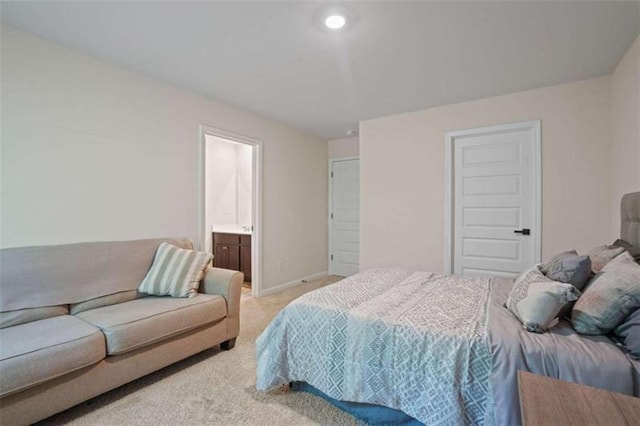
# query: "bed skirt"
[375,415]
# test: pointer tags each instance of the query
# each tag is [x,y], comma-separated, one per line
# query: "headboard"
[630,218]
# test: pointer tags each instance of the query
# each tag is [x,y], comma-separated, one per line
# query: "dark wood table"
[546,401]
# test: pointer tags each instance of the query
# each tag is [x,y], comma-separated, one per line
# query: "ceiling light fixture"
[335,22]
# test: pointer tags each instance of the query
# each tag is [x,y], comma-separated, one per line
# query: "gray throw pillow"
[568,267]
[629,334]
[536,300]
[609,297]
[602,255]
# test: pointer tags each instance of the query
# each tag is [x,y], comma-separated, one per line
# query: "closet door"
[344,217]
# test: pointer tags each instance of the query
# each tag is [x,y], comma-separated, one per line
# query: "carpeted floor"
[213,387]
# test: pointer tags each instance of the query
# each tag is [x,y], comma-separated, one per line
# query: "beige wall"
[625,131]
[346,147]
[402,172]
[93,151]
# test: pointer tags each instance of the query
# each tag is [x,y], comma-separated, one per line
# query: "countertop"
[230,229]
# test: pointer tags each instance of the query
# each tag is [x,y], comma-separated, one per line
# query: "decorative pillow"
[602,255]
[536,300]
[175,272]
[609,297]
[629,334]
[633,250]
[569,268]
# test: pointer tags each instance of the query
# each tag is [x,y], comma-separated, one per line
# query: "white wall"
[402,172]
[228,176]
[625,131]
[222,182]
[244,159]
[93,151]
[346,147]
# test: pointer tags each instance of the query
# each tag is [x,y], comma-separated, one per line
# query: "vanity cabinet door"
[221,256]
[232,251]
[227,256]
[245,262]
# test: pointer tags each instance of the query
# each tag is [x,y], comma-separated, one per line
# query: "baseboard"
[293,283]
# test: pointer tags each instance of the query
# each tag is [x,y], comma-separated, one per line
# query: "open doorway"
[230,194]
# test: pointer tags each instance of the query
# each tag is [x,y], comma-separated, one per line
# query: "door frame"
[449,170]
[329,220]
[256,201]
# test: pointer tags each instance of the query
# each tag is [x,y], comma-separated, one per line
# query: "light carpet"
[213,387]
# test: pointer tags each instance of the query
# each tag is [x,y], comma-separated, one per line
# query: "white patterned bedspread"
[413,341]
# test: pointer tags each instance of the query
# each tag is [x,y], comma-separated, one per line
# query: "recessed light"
[335,22]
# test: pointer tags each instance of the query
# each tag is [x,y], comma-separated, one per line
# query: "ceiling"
[275,59]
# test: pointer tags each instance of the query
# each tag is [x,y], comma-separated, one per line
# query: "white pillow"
[537,300]
[175,272]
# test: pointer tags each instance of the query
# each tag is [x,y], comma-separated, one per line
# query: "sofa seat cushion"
[132,325]
[38,351]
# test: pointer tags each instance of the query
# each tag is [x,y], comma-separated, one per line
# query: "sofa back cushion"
[32,277]
[22,316]
[109,299]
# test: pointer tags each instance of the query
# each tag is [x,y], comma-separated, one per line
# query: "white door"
[344,217]
[495,199]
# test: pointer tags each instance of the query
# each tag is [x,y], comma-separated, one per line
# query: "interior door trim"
[256,201]
[532,125]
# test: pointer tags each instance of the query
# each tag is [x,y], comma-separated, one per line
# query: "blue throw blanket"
[413,341]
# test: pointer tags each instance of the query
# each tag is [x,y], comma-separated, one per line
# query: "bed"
[391,345]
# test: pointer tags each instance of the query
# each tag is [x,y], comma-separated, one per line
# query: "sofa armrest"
[227,284]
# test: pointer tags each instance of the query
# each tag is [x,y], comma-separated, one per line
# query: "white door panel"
[345,217]
[494,217]
[485,273]
[494,153]
[491,248]
[494,193]
[491,185]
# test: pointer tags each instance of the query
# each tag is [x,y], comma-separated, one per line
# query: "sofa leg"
[229,344]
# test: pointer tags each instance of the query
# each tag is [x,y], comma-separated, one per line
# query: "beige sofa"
[73,325]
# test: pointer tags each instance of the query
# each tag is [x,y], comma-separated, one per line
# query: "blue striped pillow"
[175,272]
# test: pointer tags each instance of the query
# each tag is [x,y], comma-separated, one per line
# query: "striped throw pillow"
[175,272]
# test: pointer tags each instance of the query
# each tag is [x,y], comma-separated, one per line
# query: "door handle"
[523,231]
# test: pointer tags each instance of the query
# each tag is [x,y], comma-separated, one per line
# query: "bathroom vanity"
[232,251]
